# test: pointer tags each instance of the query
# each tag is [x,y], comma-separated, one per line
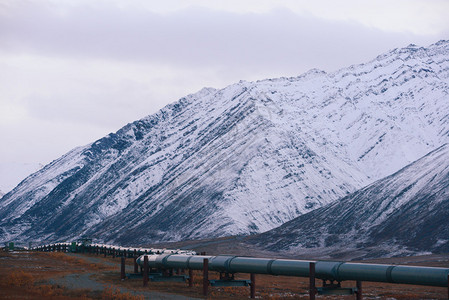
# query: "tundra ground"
[34,275]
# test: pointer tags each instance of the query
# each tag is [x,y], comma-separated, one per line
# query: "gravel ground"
[87,281]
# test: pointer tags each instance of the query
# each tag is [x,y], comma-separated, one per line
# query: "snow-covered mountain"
[244,159]
[405,213]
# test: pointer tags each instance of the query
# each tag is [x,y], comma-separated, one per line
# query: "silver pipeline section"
[326,270]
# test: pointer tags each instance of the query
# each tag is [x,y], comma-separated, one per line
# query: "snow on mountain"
[244,159]
[402,214]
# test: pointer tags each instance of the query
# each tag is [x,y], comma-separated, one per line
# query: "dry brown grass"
[62,257]
[111,293]
[20,284]
[47,290]
[19,278]
[20,274]
[24,274]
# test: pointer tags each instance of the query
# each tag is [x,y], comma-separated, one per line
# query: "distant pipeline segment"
[326,270]
[103,248]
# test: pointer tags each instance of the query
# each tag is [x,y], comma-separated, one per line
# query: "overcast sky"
[72,71]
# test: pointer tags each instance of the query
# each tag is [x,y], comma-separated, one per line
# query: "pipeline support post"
[136,266]
[253,286]
[312,288]
[359,293]
[190,278]
[205,276]
[145,270]
[122,268]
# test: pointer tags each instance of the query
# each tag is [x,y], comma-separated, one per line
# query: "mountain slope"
[405,213]
[244,159]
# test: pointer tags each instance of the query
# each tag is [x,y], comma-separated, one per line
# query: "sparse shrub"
[46,290]
[19,278]
[61,256]
[111,293]
[80,294]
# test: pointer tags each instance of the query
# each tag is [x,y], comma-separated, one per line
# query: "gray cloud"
[278,40]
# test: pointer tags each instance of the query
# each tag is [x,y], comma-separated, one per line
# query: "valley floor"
[37,275]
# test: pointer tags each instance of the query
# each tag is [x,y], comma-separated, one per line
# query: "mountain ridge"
[406,213]
[243,159]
